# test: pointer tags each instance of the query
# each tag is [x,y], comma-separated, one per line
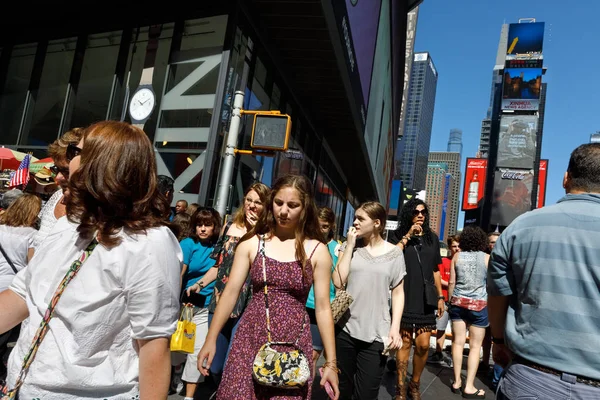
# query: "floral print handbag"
[289,369]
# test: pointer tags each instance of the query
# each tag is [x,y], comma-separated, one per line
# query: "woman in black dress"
[422,255]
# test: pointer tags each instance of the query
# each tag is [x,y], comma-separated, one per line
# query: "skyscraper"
[453,162]
[413,148]
[455,141]
[486,123]
[436,196]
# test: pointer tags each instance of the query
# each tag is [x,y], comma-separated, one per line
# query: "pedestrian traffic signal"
[271,131]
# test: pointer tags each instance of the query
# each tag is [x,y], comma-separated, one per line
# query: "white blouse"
[129,292]
[47,218]
[16,241]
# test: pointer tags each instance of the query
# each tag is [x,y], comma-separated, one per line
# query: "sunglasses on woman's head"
[417,212]
[72,152]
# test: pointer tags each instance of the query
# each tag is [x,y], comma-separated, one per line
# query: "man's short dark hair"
[584,168]
[165,184]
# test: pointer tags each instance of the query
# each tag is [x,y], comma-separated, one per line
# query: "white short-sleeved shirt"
[16,241]
[129,292]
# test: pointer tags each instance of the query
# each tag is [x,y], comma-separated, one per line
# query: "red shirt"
[444,268]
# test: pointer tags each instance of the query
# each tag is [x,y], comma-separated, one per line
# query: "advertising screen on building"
[542,179]
[525,40]
[517,141]
[358,23]
[511,196]
[474,188]
[521,89]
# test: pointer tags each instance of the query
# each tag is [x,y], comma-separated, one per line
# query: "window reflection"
[12,101]
[95,82]
[49,100]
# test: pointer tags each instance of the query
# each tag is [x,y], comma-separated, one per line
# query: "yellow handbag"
[185,336]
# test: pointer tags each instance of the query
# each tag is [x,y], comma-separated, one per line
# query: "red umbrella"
[11,159]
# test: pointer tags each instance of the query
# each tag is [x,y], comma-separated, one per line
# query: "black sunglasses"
[55,170]
[417,212]
[72,152]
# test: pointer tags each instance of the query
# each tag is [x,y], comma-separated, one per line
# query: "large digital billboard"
[474,188]
[511,196]
[542,179]
[525,40]
[517,141]
[521,89]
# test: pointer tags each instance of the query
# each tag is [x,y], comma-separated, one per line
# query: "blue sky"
[462,37]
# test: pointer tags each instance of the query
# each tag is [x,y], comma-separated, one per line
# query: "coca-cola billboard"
[515,176]
[511,196]
[474,187]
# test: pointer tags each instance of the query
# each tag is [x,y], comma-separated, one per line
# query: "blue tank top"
[310,302]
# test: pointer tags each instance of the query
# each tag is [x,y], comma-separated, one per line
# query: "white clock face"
[142,104]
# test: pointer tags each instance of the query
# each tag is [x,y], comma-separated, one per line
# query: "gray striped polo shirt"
[548,262]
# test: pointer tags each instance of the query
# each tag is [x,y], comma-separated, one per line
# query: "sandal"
[479,394]
[455,390]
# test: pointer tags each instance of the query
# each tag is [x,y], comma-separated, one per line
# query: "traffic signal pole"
[229,157]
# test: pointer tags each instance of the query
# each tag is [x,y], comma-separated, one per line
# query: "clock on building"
[142,103]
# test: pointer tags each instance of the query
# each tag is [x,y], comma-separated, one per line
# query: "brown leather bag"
[341,302]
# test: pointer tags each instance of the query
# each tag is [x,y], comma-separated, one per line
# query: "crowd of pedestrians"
[93,284]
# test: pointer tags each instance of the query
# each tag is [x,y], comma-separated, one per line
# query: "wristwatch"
[441,298]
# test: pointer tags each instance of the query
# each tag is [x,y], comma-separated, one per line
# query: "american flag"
[21,176]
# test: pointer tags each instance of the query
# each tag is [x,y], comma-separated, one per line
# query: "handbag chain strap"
[269,339]
[44,325]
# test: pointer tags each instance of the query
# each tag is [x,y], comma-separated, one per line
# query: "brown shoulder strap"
[313,252]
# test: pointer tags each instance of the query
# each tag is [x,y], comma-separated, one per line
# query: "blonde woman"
[17,231]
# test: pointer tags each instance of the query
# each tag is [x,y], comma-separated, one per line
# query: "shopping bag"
[185,336]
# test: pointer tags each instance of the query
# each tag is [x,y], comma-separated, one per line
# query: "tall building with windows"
[334,67]
[452,160]
[436,196]
[455,144]
[486,123]
[413,148]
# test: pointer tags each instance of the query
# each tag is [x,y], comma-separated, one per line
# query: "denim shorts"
[474,318]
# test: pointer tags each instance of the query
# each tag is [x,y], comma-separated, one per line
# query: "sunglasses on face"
[72,152]
[56,170]
[417,212]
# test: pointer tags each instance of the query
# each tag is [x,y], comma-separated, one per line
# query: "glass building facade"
[59,76]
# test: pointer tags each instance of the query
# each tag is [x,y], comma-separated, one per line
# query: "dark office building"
[412,149]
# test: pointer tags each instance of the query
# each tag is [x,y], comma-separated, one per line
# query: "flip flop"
[457,390]
[479,394]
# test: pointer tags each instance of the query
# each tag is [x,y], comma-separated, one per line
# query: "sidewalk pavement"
[435,384]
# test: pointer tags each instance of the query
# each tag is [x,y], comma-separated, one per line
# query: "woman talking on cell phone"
[370,267]
[423,293]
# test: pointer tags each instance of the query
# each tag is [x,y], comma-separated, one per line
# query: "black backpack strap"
[8,260]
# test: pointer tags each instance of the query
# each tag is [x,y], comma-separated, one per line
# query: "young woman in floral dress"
[293,256]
